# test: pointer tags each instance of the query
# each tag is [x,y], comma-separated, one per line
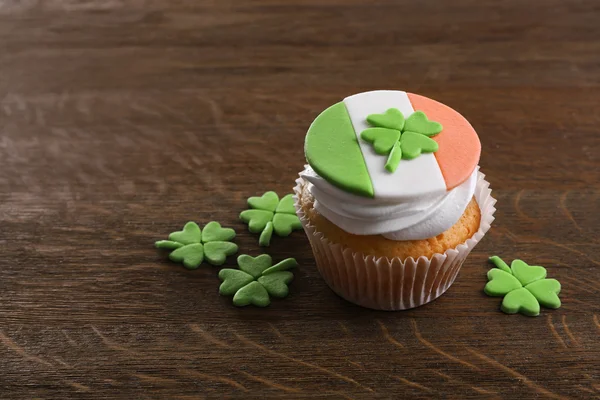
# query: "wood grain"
[122,120]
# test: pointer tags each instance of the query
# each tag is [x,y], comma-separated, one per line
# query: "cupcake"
[392,199]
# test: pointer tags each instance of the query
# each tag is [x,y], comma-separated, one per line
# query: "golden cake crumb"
[380,246]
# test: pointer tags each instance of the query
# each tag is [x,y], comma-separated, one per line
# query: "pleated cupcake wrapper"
[382,283]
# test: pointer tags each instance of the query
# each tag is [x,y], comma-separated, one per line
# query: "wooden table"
[122,120]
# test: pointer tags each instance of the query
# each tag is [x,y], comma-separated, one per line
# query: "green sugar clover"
[256,279]
[270,214]
[524,287]
[192,245]
[398,138]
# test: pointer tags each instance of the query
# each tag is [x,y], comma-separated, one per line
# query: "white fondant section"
[413,218]
[413,178]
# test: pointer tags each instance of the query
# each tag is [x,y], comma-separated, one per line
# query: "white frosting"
[412,217]
[417,177]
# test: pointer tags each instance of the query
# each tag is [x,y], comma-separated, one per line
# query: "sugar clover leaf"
[268,214]
[523,286]
[193,245]
[256,280]
[400,138]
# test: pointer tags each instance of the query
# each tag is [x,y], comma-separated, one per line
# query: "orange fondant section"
[459,146]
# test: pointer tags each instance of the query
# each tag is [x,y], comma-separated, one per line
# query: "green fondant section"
[524,287]
[190,255]
[253,293]
[501,283]
[254,265]
[394,158]
[286,205]
[332,150]
[256,219]
[383,139]
[499,263]
[546,292]
[267,201]
[521,301]
[418,122]
[233,280]
[191,233]
[276,283]
[414,144]
[284,265]
[392,118]
[284,224]
[217,252]
[265,237]
[213,232]
[526,273]
[168,244]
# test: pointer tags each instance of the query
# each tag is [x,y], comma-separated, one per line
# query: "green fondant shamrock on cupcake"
[256,280]
[268,214]
[400,138]
[524,287]
[193,245]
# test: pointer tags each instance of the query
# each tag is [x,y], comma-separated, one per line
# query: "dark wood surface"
[122,120]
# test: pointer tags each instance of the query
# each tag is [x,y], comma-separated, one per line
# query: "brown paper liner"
[382,283]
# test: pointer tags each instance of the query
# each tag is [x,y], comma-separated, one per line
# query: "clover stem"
[394,158]
[499,263]
[265,237]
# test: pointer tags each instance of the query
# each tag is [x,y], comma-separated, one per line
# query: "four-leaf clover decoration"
[524,287]
[398,138]
[270,214]
[192,245]
[256,280]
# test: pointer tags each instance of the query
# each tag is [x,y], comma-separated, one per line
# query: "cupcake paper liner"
[383,283]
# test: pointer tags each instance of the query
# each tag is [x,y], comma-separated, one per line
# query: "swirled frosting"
[411,217]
